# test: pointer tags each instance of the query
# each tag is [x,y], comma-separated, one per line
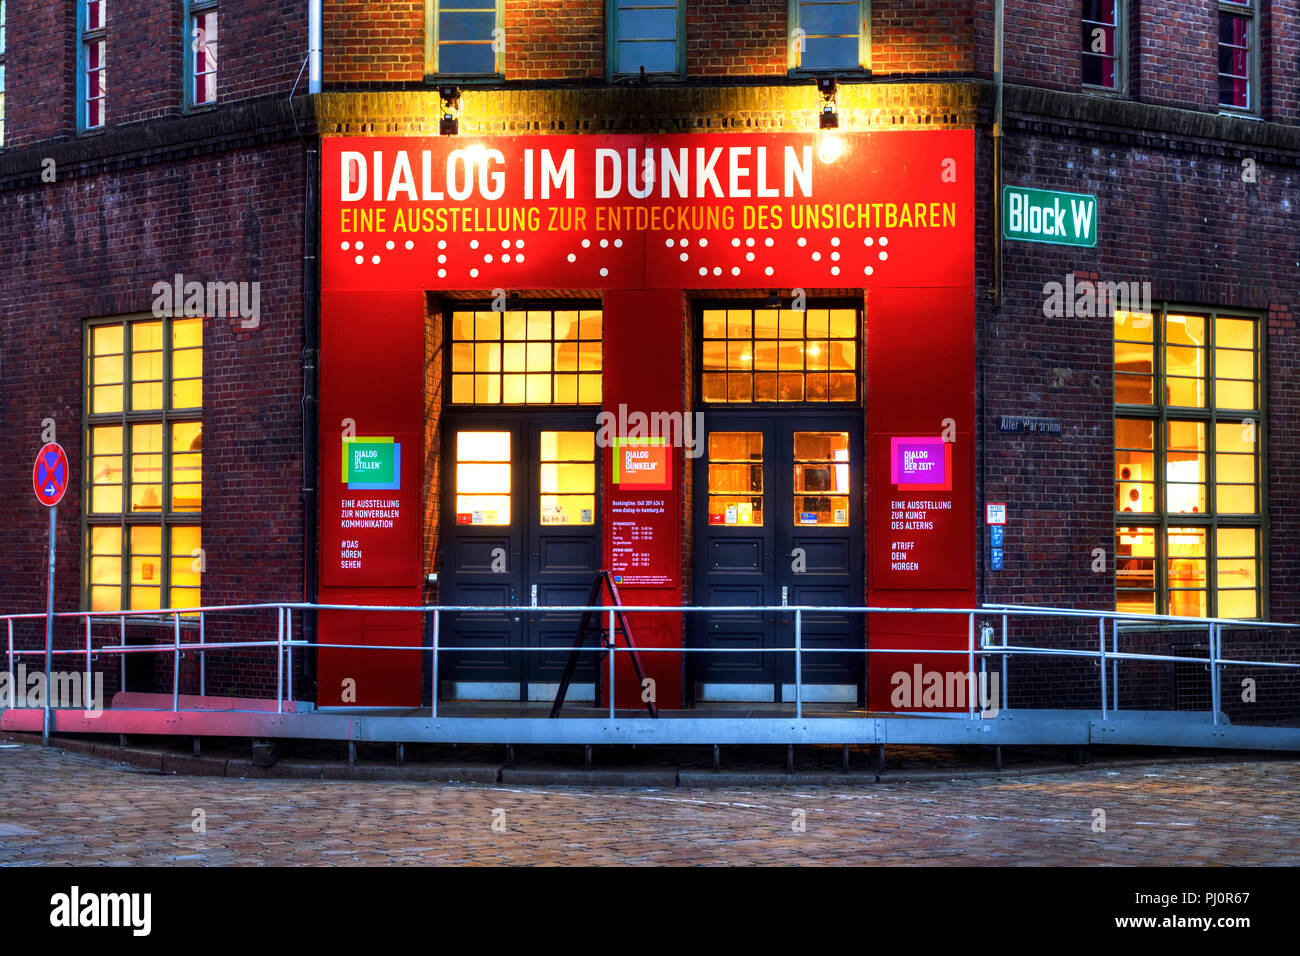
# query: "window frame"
[431,72]
[1160,413]
[859,346]
[611,45]
[3,77]
[84,37]
[1121,53]
[794,66]
[166,519]
[1250,9]
[523,305]
[189,76]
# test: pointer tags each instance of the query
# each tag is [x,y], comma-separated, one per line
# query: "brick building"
[376,327]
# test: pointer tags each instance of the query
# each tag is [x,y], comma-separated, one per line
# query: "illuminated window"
[2,72]
[645,35]
[93,54]
[821,479]
[464,38]
[201,52]
[568,478]
[1102,29]
[1237,41]
[144,463]
[483,478]
[830,35]
[736,478]
[526,357]
[1188,464]
[779,355]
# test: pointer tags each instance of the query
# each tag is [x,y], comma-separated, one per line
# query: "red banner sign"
[722,210]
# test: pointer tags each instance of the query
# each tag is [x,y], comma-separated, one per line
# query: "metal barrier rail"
[284,643]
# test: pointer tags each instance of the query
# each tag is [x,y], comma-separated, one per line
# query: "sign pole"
[50,481]
[49,629]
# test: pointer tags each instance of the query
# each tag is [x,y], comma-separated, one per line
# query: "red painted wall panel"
[372,385]
[920,380]
[643,372]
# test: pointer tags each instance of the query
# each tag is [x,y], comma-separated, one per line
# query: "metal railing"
[982,650]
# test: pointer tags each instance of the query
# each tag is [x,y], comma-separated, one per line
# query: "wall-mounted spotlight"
[449,125]
[830,117]
[773,300]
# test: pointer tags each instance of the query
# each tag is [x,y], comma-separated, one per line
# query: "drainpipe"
[313,46]
[310,351]
[997,152]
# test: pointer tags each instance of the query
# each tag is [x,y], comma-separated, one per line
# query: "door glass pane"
[483,478]
[567,482]
[821,478]
[736,478]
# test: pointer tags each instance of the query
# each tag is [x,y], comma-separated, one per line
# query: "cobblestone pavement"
[66,808]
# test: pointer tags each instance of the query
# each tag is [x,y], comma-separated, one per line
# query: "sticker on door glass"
[808,517]
[840,516]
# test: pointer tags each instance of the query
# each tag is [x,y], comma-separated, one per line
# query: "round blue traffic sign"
[50,476]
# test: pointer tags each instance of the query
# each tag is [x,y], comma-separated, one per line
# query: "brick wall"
[145,55]
[1175,212]
[93,244]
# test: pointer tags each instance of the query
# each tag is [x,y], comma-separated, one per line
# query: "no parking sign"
[50,474]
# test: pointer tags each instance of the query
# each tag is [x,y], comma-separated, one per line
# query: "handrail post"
[433,670]
[798,663]
[203,660]
[86,692]
[1101,660]
[288,650]
[1214,671]
[13,676]
[1004,663]
[1114,664]
[611,664]
[122,654]
[970,664]
[279,660]
[176,661]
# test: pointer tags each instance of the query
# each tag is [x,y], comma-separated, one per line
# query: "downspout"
[997,152]
[313,46]
[310,350]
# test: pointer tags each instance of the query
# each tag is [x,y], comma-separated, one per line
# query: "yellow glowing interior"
[567,480]
[736,478]
[533,357]
[483,477]
[779,355]
[821,478]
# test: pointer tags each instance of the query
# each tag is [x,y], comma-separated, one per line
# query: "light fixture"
[450,122]
[829,147]
[830,117]
[773,300]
